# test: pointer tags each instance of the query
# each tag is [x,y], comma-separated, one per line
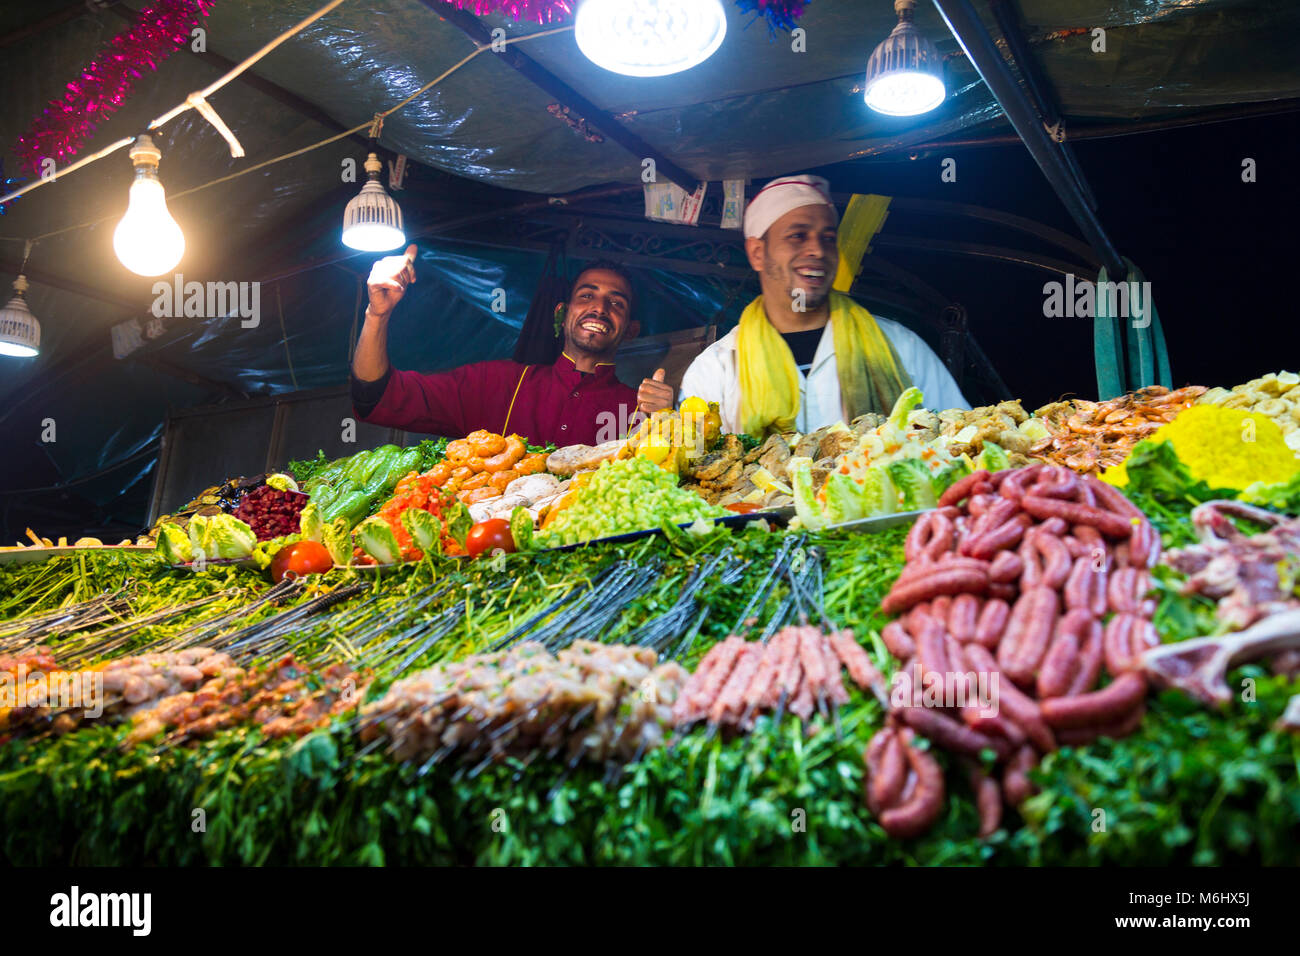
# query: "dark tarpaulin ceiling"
[480,141]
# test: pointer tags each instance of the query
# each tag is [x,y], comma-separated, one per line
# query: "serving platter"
[878,522]
[778,517]
[34,554]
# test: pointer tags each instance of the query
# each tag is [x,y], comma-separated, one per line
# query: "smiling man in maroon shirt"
[575,401]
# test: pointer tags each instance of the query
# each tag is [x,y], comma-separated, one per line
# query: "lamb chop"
[1199,667]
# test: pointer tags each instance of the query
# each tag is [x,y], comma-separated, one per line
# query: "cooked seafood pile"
[1001,605]
[482,464]
[1090,436]
[594,701]
[798,669]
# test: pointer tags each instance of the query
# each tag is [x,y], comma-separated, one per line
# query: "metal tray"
[879,522]
[777,516]
[32,555]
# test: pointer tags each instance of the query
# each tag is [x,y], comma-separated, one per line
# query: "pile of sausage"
[1032,580]
[798,668]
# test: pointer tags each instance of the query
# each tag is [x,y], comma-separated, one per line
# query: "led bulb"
[905,72]
[905,94]
[649,37]
[147,240]
[372,221]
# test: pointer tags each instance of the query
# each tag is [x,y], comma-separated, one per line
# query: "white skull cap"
[782,195]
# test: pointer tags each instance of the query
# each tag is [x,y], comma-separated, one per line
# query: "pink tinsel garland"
[542,11]
[159,30]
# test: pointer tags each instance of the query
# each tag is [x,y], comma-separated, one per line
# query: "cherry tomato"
[742,507]
[304,557]
[488,536]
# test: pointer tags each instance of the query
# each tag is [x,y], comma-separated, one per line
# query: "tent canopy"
[488,148]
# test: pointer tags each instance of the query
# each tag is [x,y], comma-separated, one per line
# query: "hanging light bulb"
[649,37]
[905,74]
[20,333]
[147,240]
[372,221]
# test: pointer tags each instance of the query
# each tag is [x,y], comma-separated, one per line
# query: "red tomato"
[742,507]
[295,560]
[488,536]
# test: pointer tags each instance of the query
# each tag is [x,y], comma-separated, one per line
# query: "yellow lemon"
[655,449]
[695,406]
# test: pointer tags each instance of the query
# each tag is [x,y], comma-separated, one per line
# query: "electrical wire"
[479,48]
[284,337]
[191,102]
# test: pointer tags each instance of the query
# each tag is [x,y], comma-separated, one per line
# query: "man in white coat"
[809,356]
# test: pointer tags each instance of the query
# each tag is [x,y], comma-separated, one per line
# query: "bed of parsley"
[1192,787]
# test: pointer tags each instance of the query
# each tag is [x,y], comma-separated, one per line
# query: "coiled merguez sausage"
[1061,663]
[1012,703]
[961,488]
[963,615]
[1127,638]
[932,581]
[1144,543]
[1120,727]
[1090,659]
[1107,522]
[1016,785]
[992,622]
[988,799]
[930,537]
[1057,483]
[1097,708]
[1028,633]
[1055,555]
[1126,592]
[1014,485]
[886,770]
[985,545]
[897,640]
[920,801]
[1086,586]
[950,733]
[1005,568]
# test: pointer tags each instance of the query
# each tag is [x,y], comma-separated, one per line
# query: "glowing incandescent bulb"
[147,240]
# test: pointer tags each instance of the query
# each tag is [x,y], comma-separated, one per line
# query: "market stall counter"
[933,637]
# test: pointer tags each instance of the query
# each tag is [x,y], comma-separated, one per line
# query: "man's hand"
[388,280]
[655,394]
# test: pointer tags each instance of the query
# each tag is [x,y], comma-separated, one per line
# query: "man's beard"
[571,341]
[785,276]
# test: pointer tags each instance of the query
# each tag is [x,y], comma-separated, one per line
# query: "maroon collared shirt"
[544,403]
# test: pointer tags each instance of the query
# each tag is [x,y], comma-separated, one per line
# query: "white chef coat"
[715,377]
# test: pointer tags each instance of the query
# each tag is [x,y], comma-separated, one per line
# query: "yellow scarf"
[871,377]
